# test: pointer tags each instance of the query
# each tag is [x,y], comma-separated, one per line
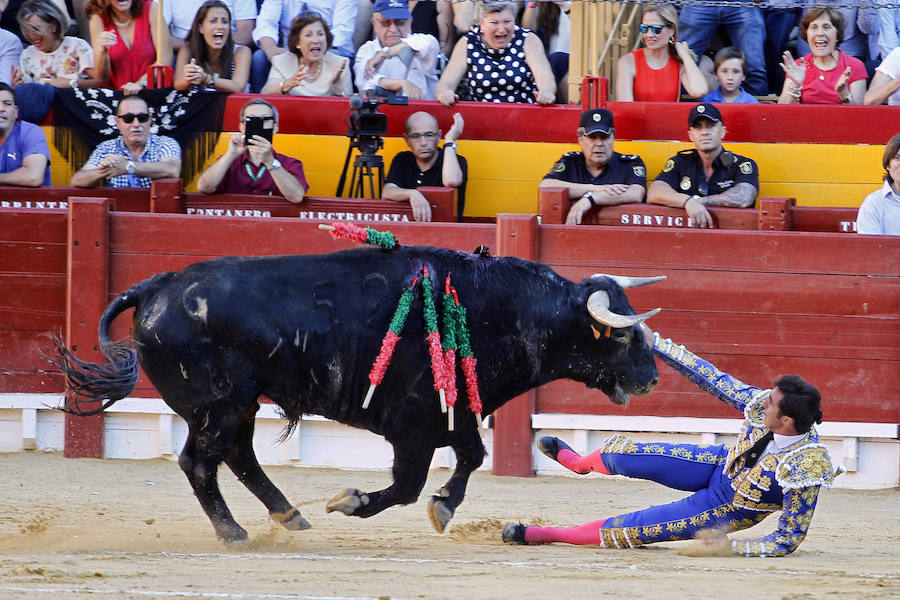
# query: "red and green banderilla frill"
[434,339]
[363,235]
[389,342]
[467,358]
[448,335]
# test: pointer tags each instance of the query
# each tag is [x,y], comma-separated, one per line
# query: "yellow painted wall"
[503,176]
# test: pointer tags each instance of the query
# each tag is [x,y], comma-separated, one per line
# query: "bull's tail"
[109,382]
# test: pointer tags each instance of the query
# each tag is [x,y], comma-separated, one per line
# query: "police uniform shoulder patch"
[746,167]
[558,167]
[670,164]
[639,171]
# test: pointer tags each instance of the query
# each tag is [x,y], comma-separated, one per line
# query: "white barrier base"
[140,428]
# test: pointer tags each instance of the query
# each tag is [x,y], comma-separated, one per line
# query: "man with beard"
[708,175]
[136,157]
[426,165]
[597,176]
[24,155]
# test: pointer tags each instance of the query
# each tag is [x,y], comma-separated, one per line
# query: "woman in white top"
[308,69]
[53,58]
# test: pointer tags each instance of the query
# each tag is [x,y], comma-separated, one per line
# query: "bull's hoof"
[291,520]
[439,514]
[347,501]
[233,536]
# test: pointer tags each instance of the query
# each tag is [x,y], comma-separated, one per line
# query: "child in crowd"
[731,65]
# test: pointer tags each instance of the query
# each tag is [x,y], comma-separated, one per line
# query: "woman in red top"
[124,36]
[657,72]
[826,75]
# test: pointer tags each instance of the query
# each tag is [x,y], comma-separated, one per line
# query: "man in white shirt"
[880,211]
[179,16]
[396,60]
[273,24]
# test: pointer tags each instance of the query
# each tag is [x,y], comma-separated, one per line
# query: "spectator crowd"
[443,50]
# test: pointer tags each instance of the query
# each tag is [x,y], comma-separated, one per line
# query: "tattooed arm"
[741,195]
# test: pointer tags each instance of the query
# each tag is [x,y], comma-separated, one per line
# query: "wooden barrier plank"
[856,391]
[663,250]
[517,235]
[762,292]
[86,295]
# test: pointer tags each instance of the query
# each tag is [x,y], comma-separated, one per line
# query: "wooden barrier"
[773,214]
[755,303]
[168,196]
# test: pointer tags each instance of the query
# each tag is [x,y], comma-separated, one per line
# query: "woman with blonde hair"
[658,71]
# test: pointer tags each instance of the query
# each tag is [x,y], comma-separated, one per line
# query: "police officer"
[597,176]
[708,175]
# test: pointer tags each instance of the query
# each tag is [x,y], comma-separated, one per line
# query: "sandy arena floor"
[89,529]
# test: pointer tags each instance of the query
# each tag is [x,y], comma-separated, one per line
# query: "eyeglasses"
[396,22]
[130,117]
[428,135]
[656,29]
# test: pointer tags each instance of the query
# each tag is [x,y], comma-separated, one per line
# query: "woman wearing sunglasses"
[658,71]
[210,59]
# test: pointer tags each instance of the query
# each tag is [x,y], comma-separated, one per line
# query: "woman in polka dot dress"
[500,61]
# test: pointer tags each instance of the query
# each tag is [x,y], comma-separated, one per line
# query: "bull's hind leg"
[469,456]
[411,462]
[200,461]
[244,465]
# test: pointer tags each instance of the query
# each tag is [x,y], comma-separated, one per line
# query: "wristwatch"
[450,145]
[73,83]
[387,51]
[694,197]
[129,167]
[276,164]
[590,198]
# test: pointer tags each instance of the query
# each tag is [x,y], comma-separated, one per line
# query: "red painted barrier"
[773,214]
[756,303]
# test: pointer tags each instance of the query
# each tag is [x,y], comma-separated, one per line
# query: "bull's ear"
[630,282]
[598,306]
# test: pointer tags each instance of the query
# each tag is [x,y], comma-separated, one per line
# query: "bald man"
[427,165]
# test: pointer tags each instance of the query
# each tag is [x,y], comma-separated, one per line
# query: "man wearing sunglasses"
[597,175]
[709,175]
[134,158]
[427,165]
[397,61]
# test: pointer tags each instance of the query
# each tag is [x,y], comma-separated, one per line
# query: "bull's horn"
[630,282]
[598,306]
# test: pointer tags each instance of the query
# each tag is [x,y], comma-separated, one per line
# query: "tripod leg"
[340,188]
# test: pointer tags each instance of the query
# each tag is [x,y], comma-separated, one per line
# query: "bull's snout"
[646,389]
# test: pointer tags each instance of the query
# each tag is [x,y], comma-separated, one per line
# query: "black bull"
[303,331]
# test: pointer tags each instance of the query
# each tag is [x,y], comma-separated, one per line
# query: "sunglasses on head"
[656,29]
[130,117]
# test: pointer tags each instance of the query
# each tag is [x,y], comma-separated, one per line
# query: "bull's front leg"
[469,456]
[410,470]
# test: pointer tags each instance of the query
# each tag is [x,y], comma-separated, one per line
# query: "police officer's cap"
[599,120]
[704,111]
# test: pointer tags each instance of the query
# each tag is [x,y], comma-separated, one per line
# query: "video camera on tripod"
[366,125]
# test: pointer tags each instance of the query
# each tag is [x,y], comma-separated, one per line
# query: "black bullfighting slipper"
[551,446]
[514,533]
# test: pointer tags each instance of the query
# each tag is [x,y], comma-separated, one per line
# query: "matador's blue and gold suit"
[727,496]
